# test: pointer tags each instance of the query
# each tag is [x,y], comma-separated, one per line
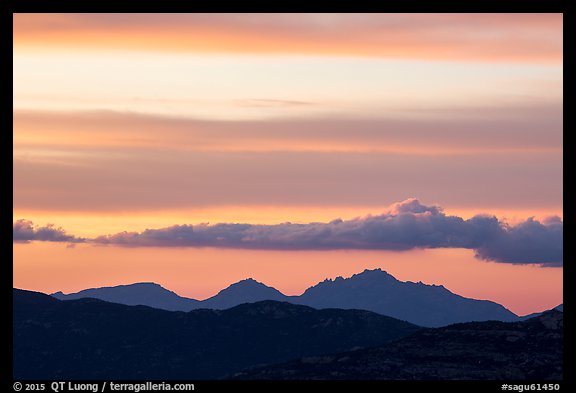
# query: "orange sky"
[489,37]
[127,122]
[201,272]
[87,224]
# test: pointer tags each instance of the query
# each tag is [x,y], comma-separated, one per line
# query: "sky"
[195,150]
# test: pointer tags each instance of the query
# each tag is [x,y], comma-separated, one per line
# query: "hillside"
[93,339]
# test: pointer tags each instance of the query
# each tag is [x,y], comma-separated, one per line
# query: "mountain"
[528,350]
[93,339]
[536,314]
[153,295]
[245,291]
[421,304]
[145,293]
[372,290]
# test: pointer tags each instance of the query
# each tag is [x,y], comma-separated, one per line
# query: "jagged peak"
[366,273]
[374,274]
[378,272]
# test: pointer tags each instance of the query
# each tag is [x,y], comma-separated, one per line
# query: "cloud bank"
[511,37]
[127,162]
[525,242]
[25,231]
[406,225]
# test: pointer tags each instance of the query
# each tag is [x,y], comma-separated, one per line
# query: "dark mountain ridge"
[371,290]
[537,314]
[94,339]
[513,351]
[244,291]
[425,305]
[144,293]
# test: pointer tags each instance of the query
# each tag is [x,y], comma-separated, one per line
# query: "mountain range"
[527,350]
[93,339]
[371,290]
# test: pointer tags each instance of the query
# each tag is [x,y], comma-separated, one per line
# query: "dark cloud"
[526,242]
[407,225]
[25,231]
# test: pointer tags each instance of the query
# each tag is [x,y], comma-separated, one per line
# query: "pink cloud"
[478,37]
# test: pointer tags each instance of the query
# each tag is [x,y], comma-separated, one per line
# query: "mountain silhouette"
[145,293]
[245,291]
[424,305]
[536,314]
[371,290]
[528,350]
[93,339]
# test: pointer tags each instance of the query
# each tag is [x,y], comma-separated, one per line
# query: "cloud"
[265,103]
[528,241]
[500,37]
[413,205]
[407,225]
[477,130]
[25,231]
[111,162]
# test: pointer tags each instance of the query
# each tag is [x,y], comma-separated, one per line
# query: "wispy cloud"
[407,225]
[274,103]
[534,128]
[119,161]
[484,37]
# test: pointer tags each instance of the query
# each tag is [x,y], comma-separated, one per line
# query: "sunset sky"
[196,150]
